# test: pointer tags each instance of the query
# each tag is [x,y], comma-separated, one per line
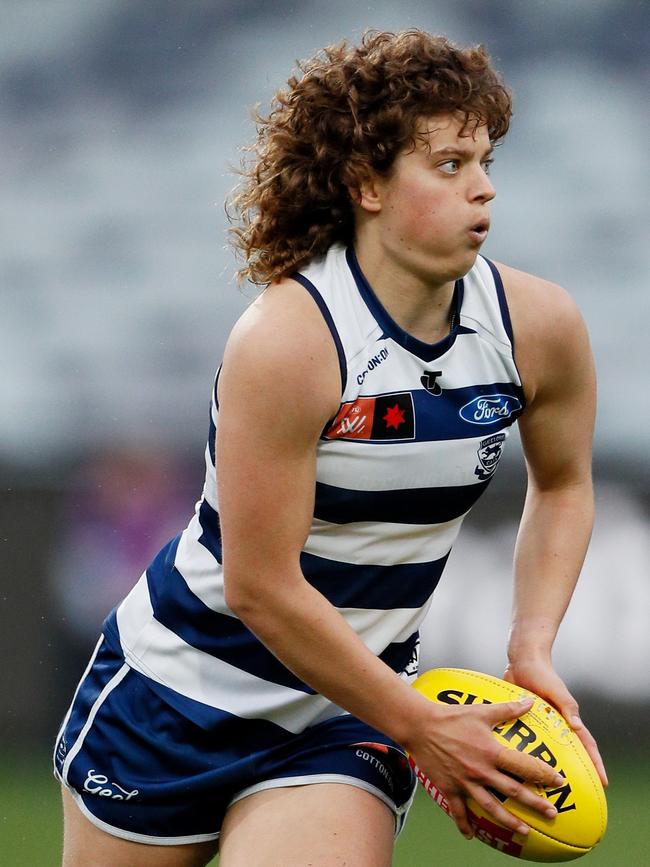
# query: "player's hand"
[455,748]
[540,678]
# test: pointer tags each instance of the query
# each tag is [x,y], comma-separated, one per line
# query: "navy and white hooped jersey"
[416,440]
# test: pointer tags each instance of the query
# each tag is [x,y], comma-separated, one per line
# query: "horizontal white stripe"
[364,466]
[201,571]
[378,628]
[160,654]
[483,360]
[373,543]
[204,577]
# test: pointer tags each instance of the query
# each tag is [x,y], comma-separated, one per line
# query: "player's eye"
[487,166]
[450,166]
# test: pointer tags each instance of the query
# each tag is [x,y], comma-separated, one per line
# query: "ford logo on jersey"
[490,408]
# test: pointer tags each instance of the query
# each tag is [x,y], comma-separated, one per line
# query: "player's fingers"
[590,745]
[458,812]
[497,811]
[523,794]
[529,768]
[506,710]
[568,707]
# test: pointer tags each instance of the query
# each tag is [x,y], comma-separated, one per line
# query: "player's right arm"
[278,387]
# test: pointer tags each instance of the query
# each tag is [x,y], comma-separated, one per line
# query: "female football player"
[253,688]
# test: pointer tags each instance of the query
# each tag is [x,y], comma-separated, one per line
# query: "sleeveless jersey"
[417,438]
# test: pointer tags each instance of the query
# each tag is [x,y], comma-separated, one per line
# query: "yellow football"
[542,732]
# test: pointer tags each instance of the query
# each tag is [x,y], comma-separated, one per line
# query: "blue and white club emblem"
[489,454]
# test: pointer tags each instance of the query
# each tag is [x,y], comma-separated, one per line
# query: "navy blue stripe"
[410,506]
[503,303]
[212,432]
[237,734]
[456,413]
[327,316]
[220,635]
[212,436]
[390,328]
[346,585]
[210,538]
[216,383]
[398,655]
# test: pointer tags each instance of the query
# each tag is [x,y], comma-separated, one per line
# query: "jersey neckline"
[390,328]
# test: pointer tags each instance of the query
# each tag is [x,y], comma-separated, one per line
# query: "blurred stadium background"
[120,122]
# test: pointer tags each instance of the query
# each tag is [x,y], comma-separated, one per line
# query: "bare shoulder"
[550,332]
[535,303]
[283,346]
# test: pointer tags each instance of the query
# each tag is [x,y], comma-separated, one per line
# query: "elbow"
[237,596]
[245,596]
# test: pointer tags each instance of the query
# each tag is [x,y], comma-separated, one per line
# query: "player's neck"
[419,304]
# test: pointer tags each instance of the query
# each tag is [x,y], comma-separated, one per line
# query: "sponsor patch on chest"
[490,408]
[380,417]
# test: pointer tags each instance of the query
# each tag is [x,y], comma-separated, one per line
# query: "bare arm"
[556,428]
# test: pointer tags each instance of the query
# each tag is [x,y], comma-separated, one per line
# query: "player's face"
[434,206]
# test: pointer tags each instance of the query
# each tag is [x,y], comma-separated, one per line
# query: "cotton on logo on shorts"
[97,784]
[380,766]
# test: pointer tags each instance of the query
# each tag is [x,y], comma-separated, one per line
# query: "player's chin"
[463,262]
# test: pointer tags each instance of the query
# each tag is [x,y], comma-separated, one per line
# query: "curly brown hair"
[351,112]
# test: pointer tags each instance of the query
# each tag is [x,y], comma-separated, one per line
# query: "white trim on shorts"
[399,813]
[138,838]
[117,678]
[99,701]
[74,698]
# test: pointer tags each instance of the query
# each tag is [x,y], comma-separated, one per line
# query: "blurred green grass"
[30,819]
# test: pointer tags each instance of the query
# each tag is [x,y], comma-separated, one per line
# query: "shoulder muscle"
[281,356]
[556,366]
[550,334]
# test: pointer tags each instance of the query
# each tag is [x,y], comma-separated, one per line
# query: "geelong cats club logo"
[489,455]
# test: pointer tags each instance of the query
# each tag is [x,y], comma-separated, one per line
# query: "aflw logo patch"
[385,417]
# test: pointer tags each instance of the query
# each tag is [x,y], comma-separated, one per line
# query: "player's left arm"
[555,361]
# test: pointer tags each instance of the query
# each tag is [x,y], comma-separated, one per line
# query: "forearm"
[551,545]
[307,634]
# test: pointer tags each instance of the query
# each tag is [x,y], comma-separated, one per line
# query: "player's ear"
[366,193]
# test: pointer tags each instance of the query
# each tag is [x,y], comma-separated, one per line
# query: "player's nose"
[482,189]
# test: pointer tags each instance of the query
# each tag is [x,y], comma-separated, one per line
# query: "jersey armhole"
[327,316]
[505,315]
[503,302]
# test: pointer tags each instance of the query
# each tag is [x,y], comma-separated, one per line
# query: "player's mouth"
[478,232]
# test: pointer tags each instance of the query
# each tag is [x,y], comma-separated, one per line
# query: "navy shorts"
[141,770]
